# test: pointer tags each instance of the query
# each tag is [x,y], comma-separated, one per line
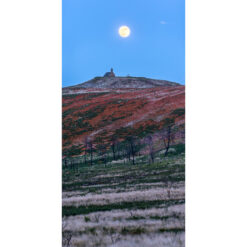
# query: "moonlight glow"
[124,31]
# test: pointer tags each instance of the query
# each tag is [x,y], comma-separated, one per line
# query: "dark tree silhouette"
[102,149]
[85,143]
[167,134]
[132,147]
[90,150]
[88,146]
[149,142]
[114,144]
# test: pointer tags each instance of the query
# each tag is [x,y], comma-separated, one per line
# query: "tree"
[90,150]
[114,143]
[102,152]
[85,143]
[66,162]
[66,235]
[122,150]
[149,142]
[88,146]
[132,147]
[182,132]
[167,134]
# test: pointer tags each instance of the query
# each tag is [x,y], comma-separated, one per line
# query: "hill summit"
[109,80]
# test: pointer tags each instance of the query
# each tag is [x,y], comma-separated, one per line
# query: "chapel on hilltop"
[109,74]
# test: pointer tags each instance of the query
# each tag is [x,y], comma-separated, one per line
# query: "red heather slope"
[102,111]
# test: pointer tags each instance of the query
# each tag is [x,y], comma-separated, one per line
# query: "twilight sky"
[91,44]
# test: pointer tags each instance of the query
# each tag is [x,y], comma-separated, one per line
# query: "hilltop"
[123,82]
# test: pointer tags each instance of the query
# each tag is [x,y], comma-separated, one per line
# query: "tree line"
[127,149]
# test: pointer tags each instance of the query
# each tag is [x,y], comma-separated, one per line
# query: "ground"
[120,205]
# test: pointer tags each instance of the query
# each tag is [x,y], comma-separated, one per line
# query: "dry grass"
[155,225]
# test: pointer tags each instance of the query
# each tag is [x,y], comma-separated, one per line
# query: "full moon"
[124,31]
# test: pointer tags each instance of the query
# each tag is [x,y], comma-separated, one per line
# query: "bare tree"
[182,133]
[128,152]
[66,235]
[102,148]
[90,150]
[85,143]
[150,145]
[114,143]
[66,162]
[167,135]
[88,147]
[132,147]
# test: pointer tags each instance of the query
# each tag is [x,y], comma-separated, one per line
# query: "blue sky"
[91,44]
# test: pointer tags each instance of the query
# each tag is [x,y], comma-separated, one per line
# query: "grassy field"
[123,205]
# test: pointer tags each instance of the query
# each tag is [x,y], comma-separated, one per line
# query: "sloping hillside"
[102,111]
[121,185]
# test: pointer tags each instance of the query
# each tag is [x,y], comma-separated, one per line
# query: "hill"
[118,106]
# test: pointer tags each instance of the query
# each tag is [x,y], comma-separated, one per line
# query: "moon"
[124,31]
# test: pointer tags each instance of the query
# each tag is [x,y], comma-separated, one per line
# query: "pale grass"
[109,198]
[118,219]
[143,240]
